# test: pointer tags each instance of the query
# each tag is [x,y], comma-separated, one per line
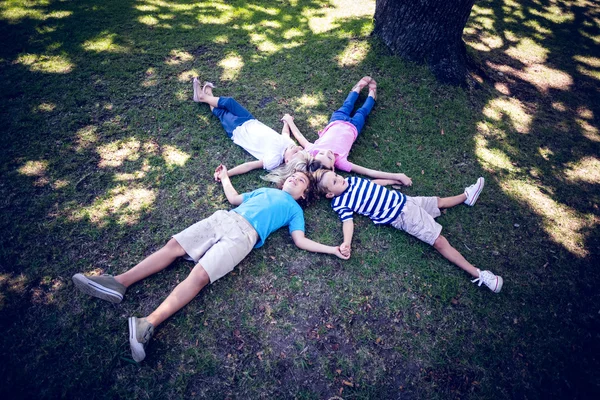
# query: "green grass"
[105,156]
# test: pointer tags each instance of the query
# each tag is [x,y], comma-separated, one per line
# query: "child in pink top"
[335,141]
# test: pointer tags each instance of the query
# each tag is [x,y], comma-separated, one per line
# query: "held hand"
[345,249]
[339,254]
[221,173]
[287,118]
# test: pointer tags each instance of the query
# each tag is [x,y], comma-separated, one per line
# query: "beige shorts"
[417,218]
[219,242]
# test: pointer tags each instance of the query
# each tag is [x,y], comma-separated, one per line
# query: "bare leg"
[205,96]
[180,296]
[152,264]
[447,202]
[443,246]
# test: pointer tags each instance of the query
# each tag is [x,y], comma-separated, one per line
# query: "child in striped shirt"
[414,215]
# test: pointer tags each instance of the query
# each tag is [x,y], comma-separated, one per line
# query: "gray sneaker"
[474,191]
[104,287]
[140,332]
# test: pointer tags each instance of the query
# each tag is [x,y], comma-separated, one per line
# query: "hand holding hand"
[345,249]
[339,254]
[287,118]
[221,173]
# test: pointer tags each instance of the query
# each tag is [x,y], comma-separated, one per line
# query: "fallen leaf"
[422,172]
[378,340]
[347,383]
[399,164]
[442,131]
[418,316]
[259,355]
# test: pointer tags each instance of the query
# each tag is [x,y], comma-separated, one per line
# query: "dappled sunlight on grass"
[11,283]
[512,108]
[34,168]
[538,75]
[115,153]
[354,53]
[46,107]
[492,159]
[173,156]
[124,204]
[586,170]
[104,42]
[323,20]
[45,292]
[563,224]
[45,63]
[85,137]
[232,64]
[177,56]
[15,11]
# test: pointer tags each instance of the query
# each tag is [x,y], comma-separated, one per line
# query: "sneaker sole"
[137,349]
[94,289]
[499,283]
[477,193]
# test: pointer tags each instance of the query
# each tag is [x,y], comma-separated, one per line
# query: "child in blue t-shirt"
[217,244]
[414,215]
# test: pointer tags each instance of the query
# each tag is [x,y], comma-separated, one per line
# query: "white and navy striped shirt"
[367,198]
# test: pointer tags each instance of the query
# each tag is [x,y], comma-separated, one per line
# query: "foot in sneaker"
[140,332]
[474,191]
[104,287]
[494,282]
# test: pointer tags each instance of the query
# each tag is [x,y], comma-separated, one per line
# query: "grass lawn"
[105,156]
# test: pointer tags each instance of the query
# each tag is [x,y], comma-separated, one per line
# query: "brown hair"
[317,178]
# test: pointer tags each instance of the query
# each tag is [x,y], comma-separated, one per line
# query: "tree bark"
[427,31]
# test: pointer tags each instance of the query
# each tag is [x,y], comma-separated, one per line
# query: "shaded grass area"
[106,156]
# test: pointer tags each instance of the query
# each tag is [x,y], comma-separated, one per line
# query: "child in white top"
[335,141]
[267,146]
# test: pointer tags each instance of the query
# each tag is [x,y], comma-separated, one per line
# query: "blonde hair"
[317,177]
[301,162]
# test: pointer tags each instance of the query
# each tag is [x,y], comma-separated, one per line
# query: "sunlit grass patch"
[115,153]
[586,170]
[34,168]
[325,19]
[528,52]
[565,225]
[46,107]
[177,57]
[232,64]
[46,63]
[174,156]
[512,108]
[123,204]
[104,42]
[353,54]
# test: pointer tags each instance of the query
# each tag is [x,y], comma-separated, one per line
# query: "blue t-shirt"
[268,210]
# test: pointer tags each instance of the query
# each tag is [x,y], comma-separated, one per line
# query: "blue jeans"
[231,114]
[360,117]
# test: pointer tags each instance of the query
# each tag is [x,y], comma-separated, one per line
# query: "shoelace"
[484,277]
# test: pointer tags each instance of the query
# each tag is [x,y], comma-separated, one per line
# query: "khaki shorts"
[417,218]
[219,242]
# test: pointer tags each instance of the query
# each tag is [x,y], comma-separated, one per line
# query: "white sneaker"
[474,191]
[140,332]
[494,282]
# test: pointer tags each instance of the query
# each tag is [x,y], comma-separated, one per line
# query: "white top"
[262,142]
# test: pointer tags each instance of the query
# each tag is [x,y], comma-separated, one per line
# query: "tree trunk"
[427,31]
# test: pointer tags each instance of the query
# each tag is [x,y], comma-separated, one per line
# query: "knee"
[198,277]
[440,243]
[174,248]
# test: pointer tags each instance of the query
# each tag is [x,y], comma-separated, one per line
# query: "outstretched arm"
[304,243]
[232,195]
[285,131]
[400,179]
[348,229]
[287,118]
[242,169]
